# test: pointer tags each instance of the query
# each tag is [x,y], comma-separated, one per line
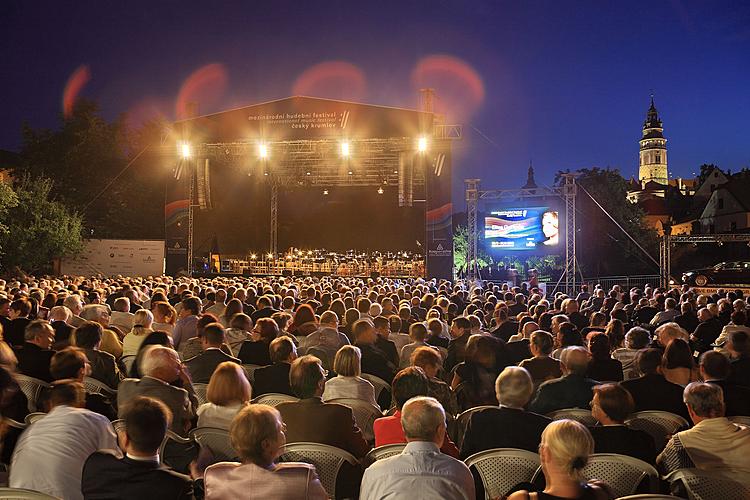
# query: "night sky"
[563,84]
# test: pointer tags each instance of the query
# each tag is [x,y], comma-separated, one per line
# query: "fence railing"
[626,282]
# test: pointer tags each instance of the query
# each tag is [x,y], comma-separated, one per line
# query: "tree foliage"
[39,229]
[461,250]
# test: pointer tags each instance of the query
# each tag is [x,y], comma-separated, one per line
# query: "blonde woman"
[348,383]
[564,452]
[228,392]
[142,322]
[164,316]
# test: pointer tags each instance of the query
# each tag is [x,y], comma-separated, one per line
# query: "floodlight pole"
[191,216]
[472,201]
[569,194]
[274,218]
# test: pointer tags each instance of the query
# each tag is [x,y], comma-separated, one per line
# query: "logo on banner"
[439,163]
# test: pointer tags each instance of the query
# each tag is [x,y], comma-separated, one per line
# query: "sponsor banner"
[117,257]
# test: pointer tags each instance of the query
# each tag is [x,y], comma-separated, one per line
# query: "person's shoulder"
[101,459]
[294,468]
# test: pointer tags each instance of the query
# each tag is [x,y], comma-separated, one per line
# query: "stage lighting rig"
[263,151]
[185,150]
[345,151]
[422,144]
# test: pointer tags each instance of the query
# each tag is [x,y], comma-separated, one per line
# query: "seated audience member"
[304,322]
[708,330]
[542,366]
[374,362]
[275,377]
[429,360]
[566,336]
[677,364]
[505,327]
[518,347]
[312,420]
[164,316]
[421,470]
[258,436]
[668,332]
[408,383]
[139,473]
[153,338]
[98,313]
[59,316]
[143,321]
[35,354]
[490,428]
[121,317]
[473,379]
[610,407]
[602,366]
[186,326]
[713,443]
[71,364]
[234,306]
[738,323]
[417,335]
[564,452]
[202,366]
[738,347]
[18,314]
[397,336]
[386,346]
[161,367]
[255,351]
[636,339]
[228,392]
[239,329]
[460,332]
[194,346]
[326,340]
[435,333]
[347,383]
[651,391]
[104,368]
[74,302]
[715,369]
[50,454]
[572,390]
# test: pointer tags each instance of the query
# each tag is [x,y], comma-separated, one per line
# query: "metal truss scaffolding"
[567,192]
[667,241]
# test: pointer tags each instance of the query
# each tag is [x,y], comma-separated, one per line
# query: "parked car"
[723,273]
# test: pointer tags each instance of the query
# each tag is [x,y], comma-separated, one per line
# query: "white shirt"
[400,339]
[420,471]
[50,454]
[211,415]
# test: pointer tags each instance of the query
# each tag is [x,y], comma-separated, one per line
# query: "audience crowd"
[107,383]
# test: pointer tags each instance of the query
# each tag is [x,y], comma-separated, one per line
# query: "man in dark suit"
[506,327]
[707,331]
[275,378]
[610,407]
[202,366]
[572,390]
[509,426]
[104,368]
[715,368]
[19,320]
[58,318]
[373,360]
[138,474]
[264,309]
[35,355]
[738,346]
[387,347]
[652,391]
[460,332]
[71,364]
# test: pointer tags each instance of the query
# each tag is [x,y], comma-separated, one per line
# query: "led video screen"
[530,229]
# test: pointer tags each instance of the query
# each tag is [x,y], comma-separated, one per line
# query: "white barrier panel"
[113,257]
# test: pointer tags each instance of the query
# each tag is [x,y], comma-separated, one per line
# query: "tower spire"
[653,150]
[530,181]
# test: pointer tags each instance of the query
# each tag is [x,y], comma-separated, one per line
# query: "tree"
[39,229]
[705,170]
[461,250]
[8,200]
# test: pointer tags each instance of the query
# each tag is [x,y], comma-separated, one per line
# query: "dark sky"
[565,84]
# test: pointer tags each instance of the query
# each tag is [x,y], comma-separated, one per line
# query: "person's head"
[70,363]
[351,316]
[557,320]
[428,359]
[714,366]
[408,383]
[347,362]
[703,401]
[213,336]
[164,312]
[307,377]
[282,350]
[382,326]
[461,326]
[329,319]
[528,328]
[514,387]
[649,361]
[8,360]
[74,303]
[40,333]
[241,321]
[482,350]
[423,419]
[191,306]
[574,360]
[142,320]
[228,385]
[364,332]
[677,355]
[67,392]
[541,343]
[565,448]
[121,304]
[161,363]
[418,332]
[146,423]
[611,404]
[266,330]
[97,313]
[20,308]
[257,434]
[304,315]
[637,338]
[599,346]
[60,313]
[738,344]
[669,331]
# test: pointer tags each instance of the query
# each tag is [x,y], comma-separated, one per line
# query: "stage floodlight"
[350,172]
[185,150]
[380,190]
[270,256]
[263,151]
[422,144]
[253,257]
[344,149]
[325,192]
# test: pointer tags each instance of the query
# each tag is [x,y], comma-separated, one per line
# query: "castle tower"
[653,157]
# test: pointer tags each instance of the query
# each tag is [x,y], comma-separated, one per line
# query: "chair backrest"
[709,485]
[274,399]
[659,424]
[32,388]
[200,392]
[577,414]
[23,494]
[33,417]
[326,459]
[377,382]
[250,371]
[364,414]
[216,440]
[385,451]
[127,362]
[622,473]
[94,386]
[13,423]
[503,468]
[650,496]
[740,419]
[462,421]
[118,425]
[172,436]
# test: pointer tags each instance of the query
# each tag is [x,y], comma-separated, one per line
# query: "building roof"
[654,206]
[652,117]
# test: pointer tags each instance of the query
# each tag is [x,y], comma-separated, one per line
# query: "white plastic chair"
[32,388]
[94,386]
[578,414]
[200,392]
[250,371]
[650,496]
[33,417]
[622,473]
[378,383]
[462,422]
[274,399]
[501,469]
[216,440]
[381,452]
[740,419]
[364,414]
[327,460]
[658,424]
[127,362]
[709,485]
[23,494]
[172,436]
